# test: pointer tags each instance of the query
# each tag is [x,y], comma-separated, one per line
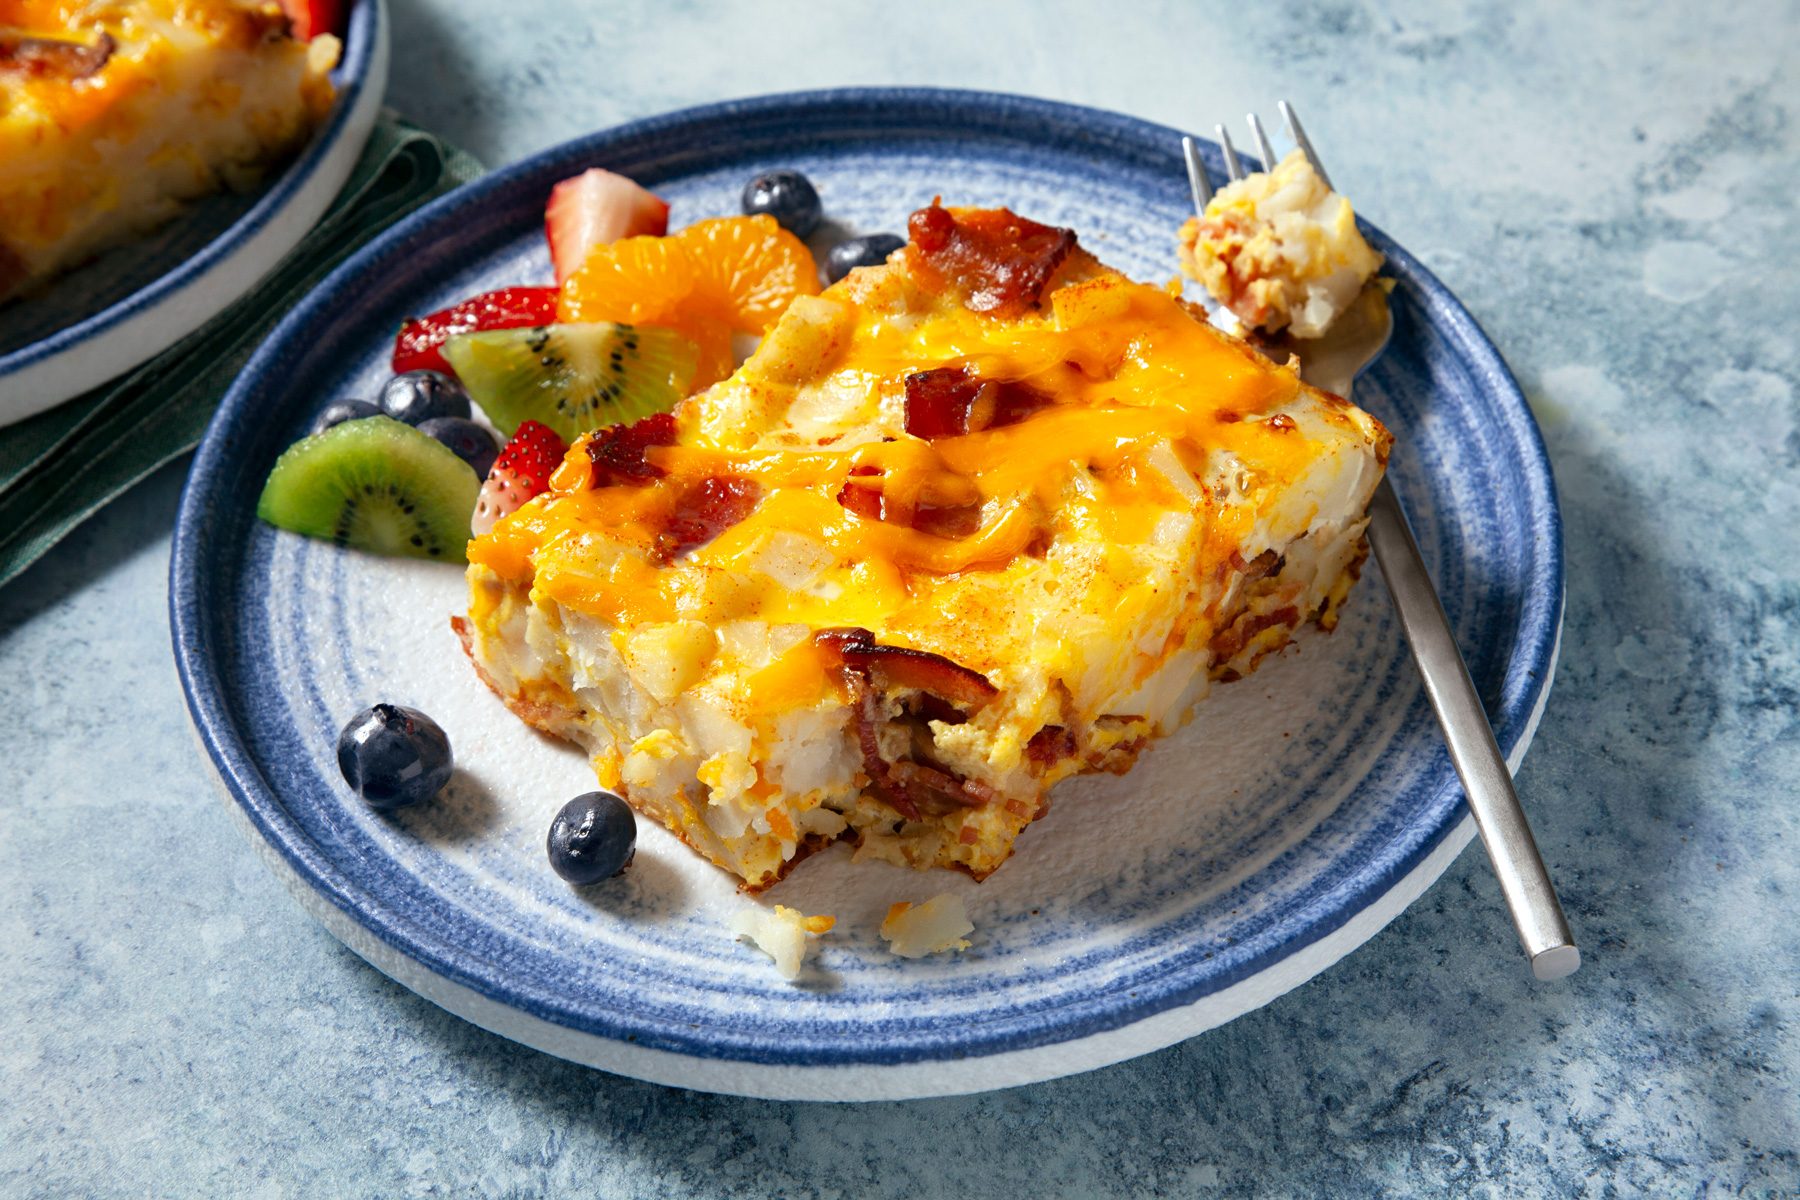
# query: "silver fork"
[1333,363]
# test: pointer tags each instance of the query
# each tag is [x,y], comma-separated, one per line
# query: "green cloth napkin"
[60,467]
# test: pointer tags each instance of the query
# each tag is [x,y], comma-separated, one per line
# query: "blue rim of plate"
[871,112]
[350,76]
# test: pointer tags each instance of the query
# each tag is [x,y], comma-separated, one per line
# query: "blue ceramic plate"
[127,306]
[1304,808]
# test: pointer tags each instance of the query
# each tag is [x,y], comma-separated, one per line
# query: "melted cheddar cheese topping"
[1155,428]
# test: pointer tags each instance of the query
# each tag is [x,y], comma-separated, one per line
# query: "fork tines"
[1201,185]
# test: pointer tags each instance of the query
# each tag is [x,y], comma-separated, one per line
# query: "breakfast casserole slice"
[966,524]
[113,113]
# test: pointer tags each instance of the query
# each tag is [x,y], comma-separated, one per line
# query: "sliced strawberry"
[521,472]
[309,18]
[420,344]
[594,208]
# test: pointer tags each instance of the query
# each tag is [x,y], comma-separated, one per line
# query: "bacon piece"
[938,402]
[952,521]
[1227,644]
[904,667]
[1253,569]
[617,451]
[952,401]
[998,261]
[959,521]
[837,643]
[863,499]
[931,788]
[704,510]
[898,666]
[907,785]
[1012,401]
[1119,760]
[1050,745]
[928,707]
[979,790]
[868,725]
[932,229]
[38,57]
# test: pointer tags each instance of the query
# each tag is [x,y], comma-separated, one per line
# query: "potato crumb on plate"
[938,925]
[781,934]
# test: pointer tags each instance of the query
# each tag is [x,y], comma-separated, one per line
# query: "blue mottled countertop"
[1611,191]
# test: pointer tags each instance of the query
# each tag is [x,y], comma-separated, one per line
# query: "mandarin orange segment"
[748,269]
[714,277]
[635,280]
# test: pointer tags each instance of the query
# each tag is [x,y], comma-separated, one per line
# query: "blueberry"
[788,196]
[473,444]
[393,756]
[594,837]
[418,396]
[343,410]
[870,250]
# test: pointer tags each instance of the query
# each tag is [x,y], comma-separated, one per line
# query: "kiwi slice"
[377,485]
[573,378]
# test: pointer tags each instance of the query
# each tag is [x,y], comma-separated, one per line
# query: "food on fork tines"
[1280,249]
[970,522]
[113,116]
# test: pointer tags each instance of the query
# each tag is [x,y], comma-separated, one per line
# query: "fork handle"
[1530,898]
